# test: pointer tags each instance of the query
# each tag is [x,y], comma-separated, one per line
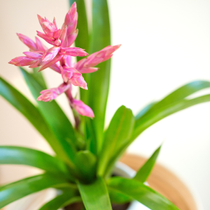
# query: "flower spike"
[82,108]
[50,94]
[86,65]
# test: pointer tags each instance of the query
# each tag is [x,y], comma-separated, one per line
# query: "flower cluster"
[59,58]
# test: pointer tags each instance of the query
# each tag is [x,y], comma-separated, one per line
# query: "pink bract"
[59,58]
[82,108]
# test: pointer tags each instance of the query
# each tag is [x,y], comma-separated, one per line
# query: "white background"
[165,44]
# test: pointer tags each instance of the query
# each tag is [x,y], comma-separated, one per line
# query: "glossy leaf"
[95,195]
[55,117]
[183,92]
[39,77]
[116,135]
[154,116]
[178,94]
[98,82]
[24,187]
[31,112]
[146,109]
[143,173]
[82,39]
[68,197]
[86,163]
[117,197]
[32,157]
[138,191]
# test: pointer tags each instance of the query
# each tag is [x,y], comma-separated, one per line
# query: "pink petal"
[47,26]
[27,41]
[71,18]
[47,95]
[45,37]
[88,70]
[78,80]
[50,94]
[56,67]
[22,61]
[50,62]
[82,108]
[73,51]
[70,38]
[67,61]
[68,73]
[34,55]
[39,45]
[100,56]
[50,54]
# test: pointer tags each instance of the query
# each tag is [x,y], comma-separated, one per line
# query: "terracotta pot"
[166,183]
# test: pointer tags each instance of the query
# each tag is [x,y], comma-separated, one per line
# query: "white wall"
[165,44]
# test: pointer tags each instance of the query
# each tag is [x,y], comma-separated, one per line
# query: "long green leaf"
[32,157]
[144,122]
[21,188]
[55,117]
[95,195]
[117,197]
[182,92]
[86,163]
[143,173]
[39,77]
[82,39]
[31,112]
[146,109]
[98,82]
[177,95]
[138,191]
[66,198]
[117,134]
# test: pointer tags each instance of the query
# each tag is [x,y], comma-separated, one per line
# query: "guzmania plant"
[85,152]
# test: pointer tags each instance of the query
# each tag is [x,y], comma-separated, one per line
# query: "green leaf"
[95,195]
[55,117]
[86,163]
[144,172]
[117,197]
[68,197]
[117,134]
[32,157]
[182,93]
[31,112]
[82,41]
[98,82]
[146,109]
[154,116]
[175,96]
[21,188]
[138,191]
[39,77]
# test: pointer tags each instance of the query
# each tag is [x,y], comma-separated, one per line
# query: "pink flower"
[82,108]
[24,61]
[50,57]
[51,32]
[74,76]
[50,94]
[33,46]
[60,37]
[86,65]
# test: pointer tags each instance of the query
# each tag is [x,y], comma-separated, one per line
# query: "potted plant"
[85,152]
